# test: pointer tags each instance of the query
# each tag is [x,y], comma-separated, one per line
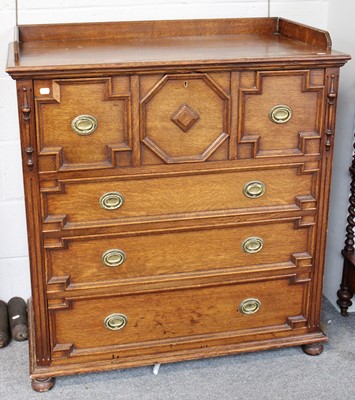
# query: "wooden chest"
[177,180]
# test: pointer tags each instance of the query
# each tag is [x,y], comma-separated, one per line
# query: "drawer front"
[281,113]
[115,200]
[92,261]
[83,123]
[177,319]
[184,118]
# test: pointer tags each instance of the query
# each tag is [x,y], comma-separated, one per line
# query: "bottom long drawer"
[153,323]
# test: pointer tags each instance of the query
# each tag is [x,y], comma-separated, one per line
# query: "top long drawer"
[128,121]
[115,200]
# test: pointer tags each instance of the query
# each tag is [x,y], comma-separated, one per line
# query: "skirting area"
[284,374]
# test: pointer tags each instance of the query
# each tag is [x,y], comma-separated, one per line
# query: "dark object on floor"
[4,325]
[17,310]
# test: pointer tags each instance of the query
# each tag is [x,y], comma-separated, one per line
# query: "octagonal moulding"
[195,104]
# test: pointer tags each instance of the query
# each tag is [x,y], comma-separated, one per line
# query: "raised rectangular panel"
[279,112]
[176,197]
[180,253]
[85,133]
[205,316]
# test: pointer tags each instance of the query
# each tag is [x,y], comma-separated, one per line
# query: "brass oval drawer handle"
[111,200]
[115,322]
[252,245]
[254,189]
[249,306]
[280,114]
[84,124]
[114,257]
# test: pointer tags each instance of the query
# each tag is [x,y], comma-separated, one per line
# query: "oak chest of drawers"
[177,180]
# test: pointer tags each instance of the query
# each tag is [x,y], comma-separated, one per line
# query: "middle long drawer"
[118,258]
[98,201]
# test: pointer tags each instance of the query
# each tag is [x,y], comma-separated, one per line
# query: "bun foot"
[42,385]
[313,349]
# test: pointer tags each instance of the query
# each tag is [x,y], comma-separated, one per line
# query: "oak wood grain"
[173,196]
[184,112]
[180,252]
[158,43]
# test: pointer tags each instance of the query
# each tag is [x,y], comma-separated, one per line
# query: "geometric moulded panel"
[185,118]
[83,124]
[280,115]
